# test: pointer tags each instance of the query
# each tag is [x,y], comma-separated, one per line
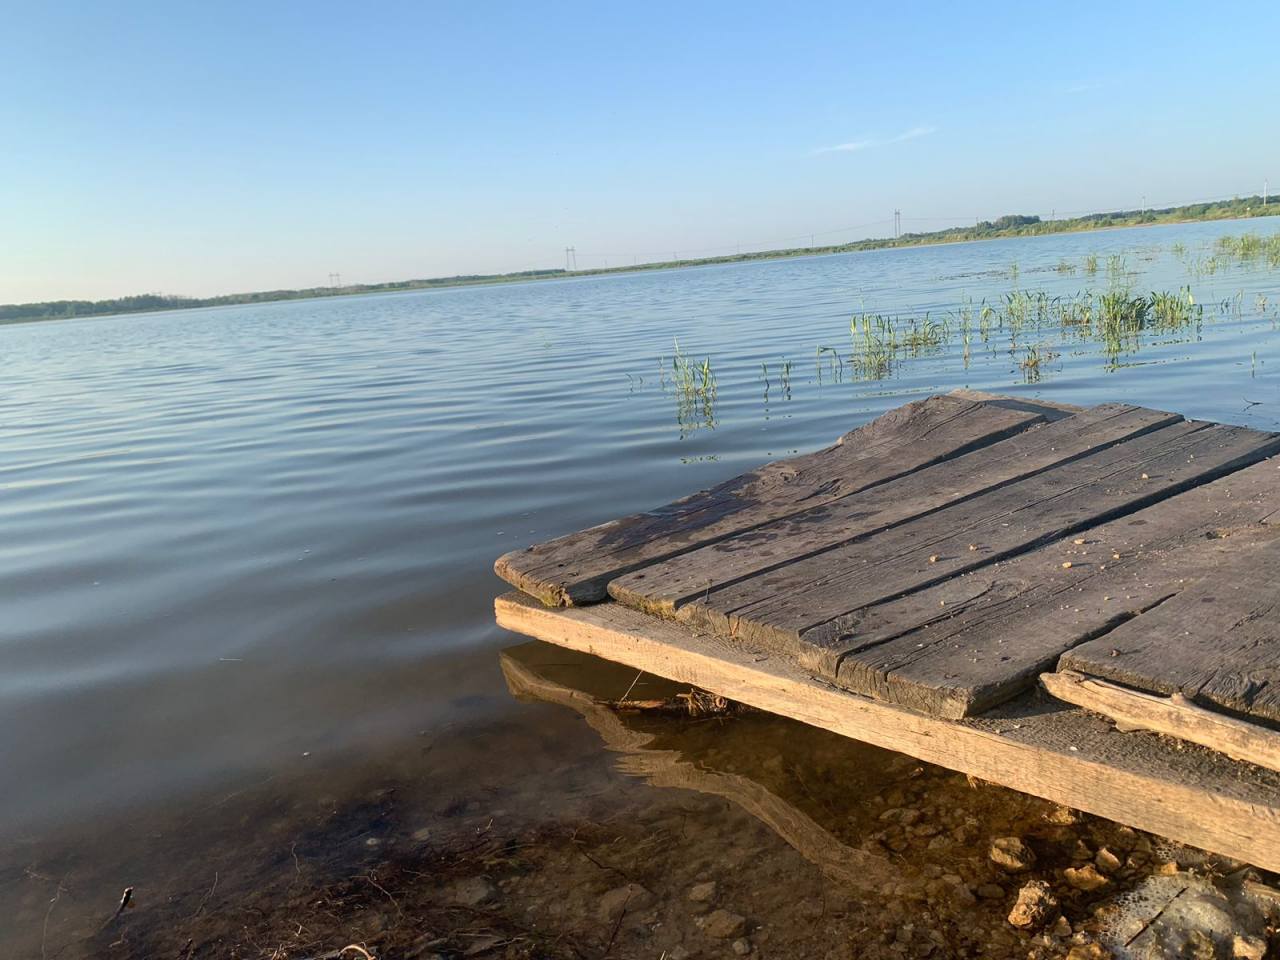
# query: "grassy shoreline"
[1004,227]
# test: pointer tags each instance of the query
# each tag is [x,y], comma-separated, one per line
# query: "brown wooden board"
[1039,746]
[577,568]
[1217,641]
[778,607]
[961,646]
[663,587]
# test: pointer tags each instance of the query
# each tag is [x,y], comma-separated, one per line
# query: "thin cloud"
[854,146]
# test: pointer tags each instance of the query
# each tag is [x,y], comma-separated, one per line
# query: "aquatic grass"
[1118,271]
[1250,248]
[784,377]
[835,363]
[924,335]
[1174,311]
[875,344]
[1091,264]
[695,389]
[1033,359]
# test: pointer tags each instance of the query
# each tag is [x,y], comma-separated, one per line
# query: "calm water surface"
[241,540]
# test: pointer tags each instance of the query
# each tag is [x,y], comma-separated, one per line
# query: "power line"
[896,222]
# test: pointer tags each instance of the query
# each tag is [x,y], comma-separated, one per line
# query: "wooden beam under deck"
[1033,744]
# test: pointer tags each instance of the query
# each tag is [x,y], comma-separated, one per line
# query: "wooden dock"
[909,585]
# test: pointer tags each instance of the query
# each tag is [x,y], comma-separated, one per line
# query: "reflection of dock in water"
[679,754]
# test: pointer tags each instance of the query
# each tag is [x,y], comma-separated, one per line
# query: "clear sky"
[200,148]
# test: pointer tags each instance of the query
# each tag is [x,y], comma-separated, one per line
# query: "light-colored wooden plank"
[662,588]
[1193,795]
[1173,716]
[577,568]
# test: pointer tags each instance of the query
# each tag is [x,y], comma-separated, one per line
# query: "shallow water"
[242,541]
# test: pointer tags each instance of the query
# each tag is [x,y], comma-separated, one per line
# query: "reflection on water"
[243,545]
[768,766]
[890,830]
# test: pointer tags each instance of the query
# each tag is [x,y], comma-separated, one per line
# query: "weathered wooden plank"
[1217,641]
[576,568]
[776,608]
[662,587]
[958,647]
[1173,716]
[1191,795]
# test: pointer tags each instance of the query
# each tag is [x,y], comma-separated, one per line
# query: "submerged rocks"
[1245,947]
[1085,878]
[1088,951]
[629,897]
[473,891]
[1036,905]
[723,925]
[703,892]
[1106,861]
[1010,853]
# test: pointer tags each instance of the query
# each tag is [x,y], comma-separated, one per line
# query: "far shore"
[1012,226]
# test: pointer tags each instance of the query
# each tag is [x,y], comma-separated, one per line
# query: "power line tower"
[570,253]
[335,279]
[897,224]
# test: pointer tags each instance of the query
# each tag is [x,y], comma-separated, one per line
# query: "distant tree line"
[1011,225]
[150,302]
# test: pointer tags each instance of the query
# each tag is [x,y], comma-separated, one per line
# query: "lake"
[246,545]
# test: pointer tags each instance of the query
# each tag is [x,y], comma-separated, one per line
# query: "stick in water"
[124,902]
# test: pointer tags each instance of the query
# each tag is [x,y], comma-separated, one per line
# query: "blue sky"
[207,148]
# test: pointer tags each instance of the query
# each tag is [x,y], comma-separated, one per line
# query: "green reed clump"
[1174,311]
[1034,357]
[1065,266]
[694,384]
[1117,269]
[1076,312]
[1116,319]
[875,345]
[1250,248]
[923,336]
[1091,264]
